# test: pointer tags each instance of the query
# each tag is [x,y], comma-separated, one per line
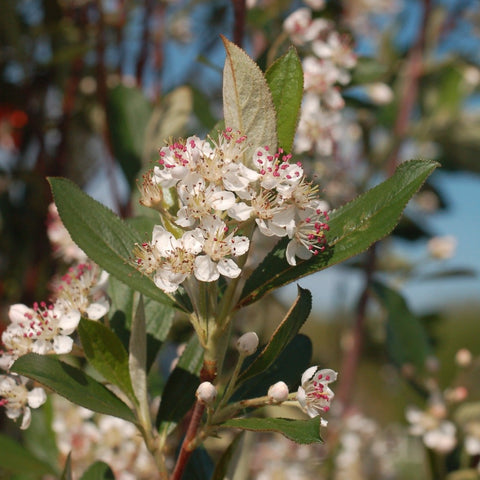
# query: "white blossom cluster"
[46,328]
[90,437]
[326,67]
[221,197]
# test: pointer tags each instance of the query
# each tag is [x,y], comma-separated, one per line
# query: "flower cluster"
[46,327]
[89,437]
[326,66]
[221,196]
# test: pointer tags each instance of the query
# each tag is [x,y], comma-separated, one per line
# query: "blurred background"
[90,89]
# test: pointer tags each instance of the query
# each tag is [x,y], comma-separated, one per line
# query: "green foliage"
[103,236]
[179,392]
[407,341]
[283,335]
[285,79]
[98,471]
[106,354]
[247,102]
[353,228]
[72,383]
[300,431]
[128,112]
[17,459]
[287,367]
[67,469]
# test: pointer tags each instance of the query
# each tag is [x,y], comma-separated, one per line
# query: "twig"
[239,9]
[186,450]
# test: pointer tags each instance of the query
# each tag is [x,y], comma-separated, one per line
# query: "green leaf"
[407,340]
[199,467]
[158,316]
[247,101]
[103,236]
[285,79]
[17,459]
[128,113]
[67,469]
[283,335]
[300,431]
[228,461]
[179,391]
[106,354]
[353,228]
[288,367]
[72,383]
[98,471]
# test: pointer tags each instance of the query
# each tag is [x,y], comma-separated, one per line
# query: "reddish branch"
[143,56]
[409,95]
[240,12]
[102,93]
[187,449]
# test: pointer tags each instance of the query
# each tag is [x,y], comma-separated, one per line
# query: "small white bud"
[247,343]
[206,393]
[278,392]
[380,93]
[463,357]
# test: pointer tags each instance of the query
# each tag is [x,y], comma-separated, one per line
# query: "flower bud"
[247,343]
[206,393]
[463,357]
[278,392]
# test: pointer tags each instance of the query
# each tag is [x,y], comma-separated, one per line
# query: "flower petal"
[205,269]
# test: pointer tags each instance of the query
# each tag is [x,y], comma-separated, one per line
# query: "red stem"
[186,450]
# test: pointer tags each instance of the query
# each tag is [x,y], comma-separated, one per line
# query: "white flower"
[174,258]
[81,293]
[437,433]
[276,172]
[301,28]
[314,394]
[199,199]
[174,161]
[318,128]
[17,399]
[42,329]
[219,245]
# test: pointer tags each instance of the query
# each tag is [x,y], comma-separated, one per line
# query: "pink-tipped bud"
[206,393]
[247,343]
[278,392]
